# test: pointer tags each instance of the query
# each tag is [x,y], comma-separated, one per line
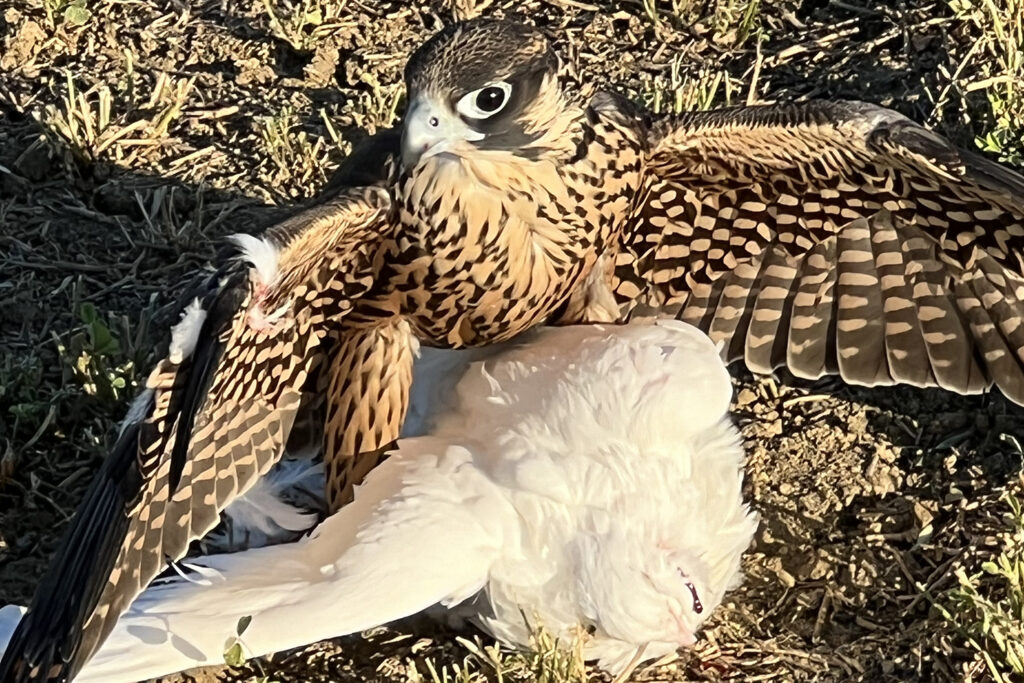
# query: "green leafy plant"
[96,359]
[305,23]
[996,67]
[235,655]
[298,155]
[72,12]
[731,22]
[548,659]
[987,607]
[678,91]
[20,377]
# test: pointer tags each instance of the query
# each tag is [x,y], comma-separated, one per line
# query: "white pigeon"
[587,479]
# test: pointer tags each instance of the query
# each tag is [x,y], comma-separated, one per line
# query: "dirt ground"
[135,134]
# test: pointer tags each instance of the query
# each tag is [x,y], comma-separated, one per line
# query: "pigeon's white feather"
[436,375]
[10,615]
[624,431]
[185,335]
[136,410]
[268,512]
[397,549]
[585,478]
[261,253]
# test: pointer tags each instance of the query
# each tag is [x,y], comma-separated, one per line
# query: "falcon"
[824,237]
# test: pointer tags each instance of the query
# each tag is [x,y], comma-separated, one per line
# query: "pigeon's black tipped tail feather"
[47,645]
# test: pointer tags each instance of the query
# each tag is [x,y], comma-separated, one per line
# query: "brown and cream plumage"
[824,237]
[834,238]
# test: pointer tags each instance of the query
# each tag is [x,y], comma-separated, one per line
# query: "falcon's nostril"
[434,123]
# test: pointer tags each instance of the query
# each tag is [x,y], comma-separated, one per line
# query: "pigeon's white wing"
[593,372]
[424,528]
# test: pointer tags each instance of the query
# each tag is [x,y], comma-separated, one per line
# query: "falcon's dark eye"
[490,99]
[486,101]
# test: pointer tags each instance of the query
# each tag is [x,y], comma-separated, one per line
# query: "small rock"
[23,46]
[882,480]
[745,397]
[253,70]
[924,511]
[810,564]
[785,577]
[320,70]
[885,452]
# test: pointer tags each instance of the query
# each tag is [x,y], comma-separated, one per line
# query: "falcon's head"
[480,85]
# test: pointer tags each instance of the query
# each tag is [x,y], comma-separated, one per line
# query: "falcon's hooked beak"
[431,129]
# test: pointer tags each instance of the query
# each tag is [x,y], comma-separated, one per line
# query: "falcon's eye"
[485,102]
[490,99]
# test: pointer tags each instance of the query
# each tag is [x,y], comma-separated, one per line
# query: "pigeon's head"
[479,85]
[653,594]
[678,583]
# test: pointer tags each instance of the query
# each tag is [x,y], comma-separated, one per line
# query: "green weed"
[71,12]
[678,92]
[730,22]
[996,67]
[304,23]
[987,607]
[297,155]
[97,360]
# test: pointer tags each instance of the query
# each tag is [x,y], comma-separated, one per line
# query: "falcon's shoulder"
[369,163]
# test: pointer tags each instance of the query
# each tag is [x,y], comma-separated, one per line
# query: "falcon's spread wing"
[833,238]
[216,414]
[421,531]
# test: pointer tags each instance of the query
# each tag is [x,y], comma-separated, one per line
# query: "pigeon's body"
[587,480]
[825,237]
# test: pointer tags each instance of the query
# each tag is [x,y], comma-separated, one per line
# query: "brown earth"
[218,120]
